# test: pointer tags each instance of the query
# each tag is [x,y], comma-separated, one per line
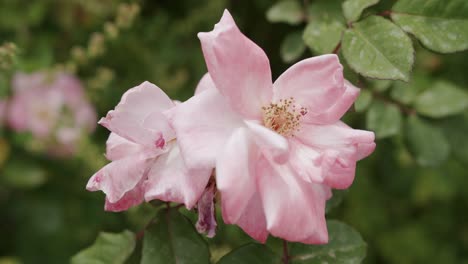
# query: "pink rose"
[53,107]
[278,148]
[146,163]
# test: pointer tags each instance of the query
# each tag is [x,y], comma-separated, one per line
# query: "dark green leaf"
[345,247]
[456,131]
[108,248]
[336,199]
[377,48]
[442,99]
[286,11]
[352,9]
[292,47]
[426,142]
[250,254]
[384,119]
[323,36]
[441,26]
[172,239]
[325,10]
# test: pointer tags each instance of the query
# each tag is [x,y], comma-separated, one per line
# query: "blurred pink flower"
[146,163]
[53,107]
[278,148]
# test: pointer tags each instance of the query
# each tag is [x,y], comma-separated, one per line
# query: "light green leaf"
[250,254]
[25,174]
[108,248]
[325,10]
[345,246]
[406,92]
[442,99]
[292,47]
[286,11]
[384,119]
[426,142]
[377,48]
[380,85]
[352,9]
[456,131]
[323,36]
[363,101]
[172,239]
[441,26]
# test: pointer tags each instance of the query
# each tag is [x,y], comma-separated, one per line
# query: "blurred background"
[409,200]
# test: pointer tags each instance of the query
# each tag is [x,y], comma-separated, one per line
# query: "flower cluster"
[52,107]
[274,150]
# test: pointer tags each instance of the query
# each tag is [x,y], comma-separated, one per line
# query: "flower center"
[283,117]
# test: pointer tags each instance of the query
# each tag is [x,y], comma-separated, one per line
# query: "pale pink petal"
[306,161]
[118,147]
[131,198]
[17,114]
[203,124]
[206,223]
[313,83]
[119,177]
[270,143]
[294,209]
[136,105]
[239,68]
[341,106]
[235,178]
[171,180]
[23,81]
[206,83]
[340,148]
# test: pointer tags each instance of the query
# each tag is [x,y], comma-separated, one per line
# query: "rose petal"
[203,124]
[206,83]
[239,68]
[294,209]
[206,222]
[118,147]
[136,105]
[271,143]
[170,180]
[131,198]
[313,83]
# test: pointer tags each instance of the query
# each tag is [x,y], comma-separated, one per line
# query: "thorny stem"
[285,252]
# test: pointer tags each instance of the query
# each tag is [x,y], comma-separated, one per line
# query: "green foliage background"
[409,200]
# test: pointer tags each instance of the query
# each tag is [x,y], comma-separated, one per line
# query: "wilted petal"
[203,124]
[294,209]
[171,180]
[119,177]
[136,105]
[206,223]
[240,69]
[313,83]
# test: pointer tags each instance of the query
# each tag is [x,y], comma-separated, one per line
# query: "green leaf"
[377,48]
[380,85]
[250,254]
[108,248]
[286,11]
[22,173]
[363,101]
[426,142]
[173,239]
[456,131]
[406,92]
[441,100]
[352,9]
[323,36]
[325,10]
[384,119]
[292,47]
[345,246]
[441,26]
